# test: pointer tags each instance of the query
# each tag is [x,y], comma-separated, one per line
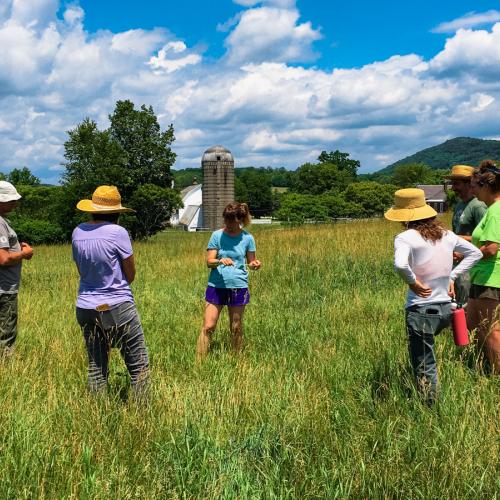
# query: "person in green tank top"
[467,214]
[484,297]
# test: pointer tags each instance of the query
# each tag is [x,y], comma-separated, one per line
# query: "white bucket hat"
[8,192]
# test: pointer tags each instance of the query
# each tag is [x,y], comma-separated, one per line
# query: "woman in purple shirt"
[105,307]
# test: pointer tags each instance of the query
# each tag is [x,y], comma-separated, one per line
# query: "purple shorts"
[227,296]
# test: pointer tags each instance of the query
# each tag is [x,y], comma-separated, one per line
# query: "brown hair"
[488,174]
[430,229]
[237,212]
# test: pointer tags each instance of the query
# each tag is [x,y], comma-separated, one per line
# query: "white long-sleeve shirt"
[432,263]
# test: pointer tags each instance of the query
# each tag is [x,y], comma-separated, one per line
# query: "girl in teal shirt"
[228,252]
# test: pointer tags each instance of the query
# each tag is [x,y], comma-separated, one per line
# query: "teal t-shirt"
[487,271]
[235,248]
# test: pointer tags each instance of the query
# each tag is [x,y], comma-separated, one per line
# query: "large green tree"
[411,174]
[23,177]
[297,208]
[319,178]
[342,160]
[148,153]
[134,152]
[371,198]
[256,188]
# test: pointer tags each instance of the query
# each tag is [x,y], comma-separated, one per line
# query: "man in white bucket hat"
[11,255]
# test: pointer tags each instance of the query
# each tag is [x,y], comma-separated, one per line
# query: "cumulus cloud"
[32,13]
[469,20]
[474,53]
[271,34]
[53,73]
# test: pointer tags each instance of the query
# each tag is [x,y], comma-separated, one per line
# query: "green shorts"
[8,319]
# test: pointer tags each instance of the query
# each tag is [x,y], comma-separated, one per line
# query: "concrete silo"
[218,185]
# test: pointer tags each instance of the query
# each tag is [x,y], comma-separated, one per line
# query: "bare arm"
[128,266]
[12,258]
[489,249]
[253,263]
[213,261]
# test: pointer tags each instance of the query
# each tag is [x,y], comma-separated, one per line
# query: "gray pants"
[8,320]
[119,327]
[423,322]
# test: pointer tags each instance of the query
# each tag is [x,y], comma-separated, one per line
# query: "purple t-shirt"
[98,250]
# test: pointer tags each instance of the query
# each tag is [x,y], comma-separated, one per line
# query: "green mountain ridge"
[461,150]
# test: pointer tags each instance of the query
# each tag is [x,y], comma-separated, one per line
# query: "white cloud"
[475,53]
[138,42]
[271,34]
[53,74]
[469,20]
[33,13]
[74,14]
[163,62]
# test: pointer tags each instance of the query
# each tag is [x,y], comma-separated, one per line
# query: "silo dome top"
[217,153]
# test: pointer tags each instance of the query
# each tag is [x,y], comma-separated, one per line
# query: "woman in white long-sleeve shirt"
[423,257]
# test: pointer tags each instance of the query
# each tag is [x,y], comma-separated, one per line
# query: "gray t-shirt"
[10,276]
[467,216]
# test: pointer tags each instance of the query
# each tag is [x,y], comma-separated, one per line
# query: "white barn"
[191,215]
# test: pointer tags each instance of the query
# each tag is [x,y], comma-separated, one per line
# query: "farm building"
[191,215]
[435,196]
[204,204]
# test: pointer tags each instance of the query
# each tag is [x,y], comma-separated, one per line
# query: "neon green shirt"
[487,271]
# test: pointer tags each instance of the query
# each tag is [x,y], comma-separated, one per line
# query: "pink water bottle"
[459,325]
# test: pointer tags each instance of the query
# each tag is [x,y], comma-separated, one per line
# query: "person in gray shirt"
[11,254]
[467,215]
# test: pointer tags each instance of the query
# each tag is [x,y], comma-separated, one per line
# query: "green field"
[319,404]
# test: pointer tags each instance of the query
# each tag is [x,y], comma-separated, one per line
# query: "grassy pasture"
[319,404]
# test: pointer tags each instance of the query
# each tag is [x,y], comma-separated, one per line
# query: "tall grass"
[319,404]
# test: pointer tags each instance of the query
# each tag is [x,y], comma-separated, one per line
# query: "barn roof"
[433,192]
[189,214]
[189,189]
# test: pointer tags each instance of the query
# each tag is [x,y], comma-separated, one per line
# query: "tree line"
[328,188]
[135,155]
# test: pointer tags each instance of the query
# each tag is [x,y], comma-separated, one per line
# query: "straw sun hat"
[105,200]
[409,205]
[460,173]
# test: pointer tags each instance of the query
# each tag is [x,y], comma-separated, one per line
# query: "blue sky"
[354,33]
[276,81]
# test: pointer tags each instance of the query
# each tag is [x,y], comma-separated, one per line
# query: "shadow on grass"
[389,377]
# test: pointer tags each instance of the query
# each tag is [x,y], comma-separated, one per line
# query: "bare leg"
[482,314]
[236,326]
[210,319]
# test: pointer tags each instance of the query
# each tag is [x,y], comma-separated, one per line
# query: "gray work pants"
[423,322]
[8,320]
[119,327]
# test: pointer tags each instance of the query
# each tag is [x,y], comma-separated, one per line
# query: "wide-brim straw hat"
[105,200]
[409,205]
[460,173]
